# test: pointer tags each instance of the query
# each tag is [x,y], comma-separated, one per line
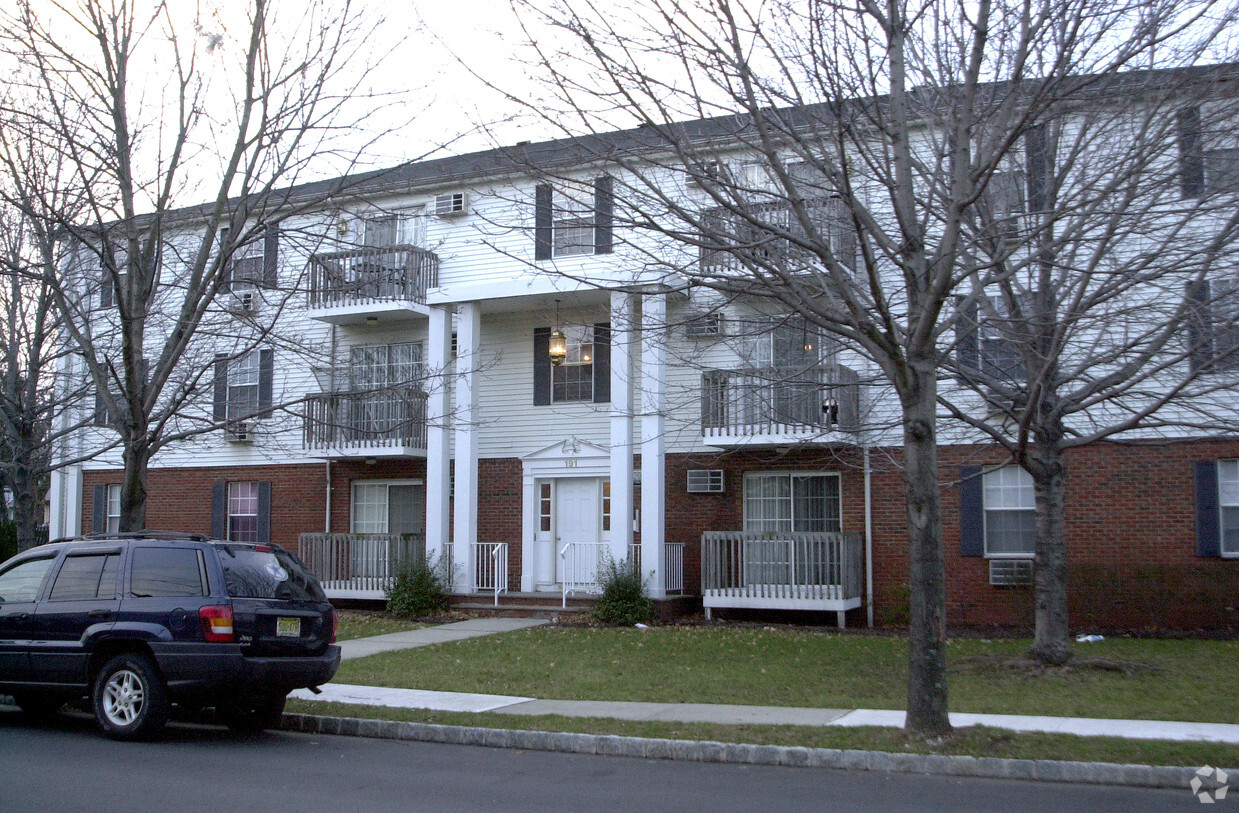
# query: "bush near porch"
[1185,679]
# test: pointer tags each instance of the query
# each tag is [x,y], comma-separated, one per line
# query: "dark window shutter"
[1191,153]
[219,510]
[221,387]
[1039,168]
[602,363]
[971,512]
[99,511]
[101,410]
[225,268]
[604,215]
[1208,534]
[967,338]
[271,257]
[107,290]
[1199,325]
[541,366]
[542,222]
[266,372]
[264,513]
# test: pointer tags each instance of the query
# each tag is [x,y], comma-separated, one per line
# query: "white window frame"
[237,501]
[750,476]
[240,371]
[111,524]
[1005,489]
[1228,504]
[579,362]
[410,227]
[386,486]
[572,222]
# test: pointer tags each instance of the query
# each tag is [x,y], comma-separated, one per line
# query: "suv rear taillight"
[217,623]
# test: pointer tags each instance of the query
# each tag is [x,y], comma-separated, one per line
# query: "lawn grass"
[973,741]
[357,624]
[1187,679]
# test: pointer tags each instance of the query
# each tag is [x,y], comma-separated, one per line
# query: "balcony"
[375,282]
[359,565]
[782,571]
[758,408]
[375,423]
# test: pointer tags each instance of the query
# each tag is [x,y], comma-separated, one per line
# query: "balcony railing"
[766,235]
[372,274]
[752,404]
[788,571]
[673,575]
[374,419]
[359,565]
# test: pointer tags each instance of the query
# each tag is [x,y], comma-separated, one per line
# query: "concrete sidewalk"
[703,712]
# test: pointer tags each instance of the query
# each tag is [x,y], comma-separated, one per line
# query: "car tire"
[130,699]
[38,706]
[253,714]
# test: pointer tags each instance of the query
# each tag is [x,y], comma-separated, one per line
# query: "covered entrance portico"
[566,516]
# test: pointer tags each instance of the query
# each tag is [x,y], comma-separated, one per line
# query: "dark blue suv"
[137,622]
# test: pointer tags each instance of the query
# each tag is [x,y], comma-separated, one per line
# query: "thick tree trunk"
[133,487]
[1051,638]
[927,683]
[27,509]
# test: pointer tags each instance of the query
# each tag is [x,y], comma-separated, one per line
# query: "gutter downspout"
[868,543]
[327,518]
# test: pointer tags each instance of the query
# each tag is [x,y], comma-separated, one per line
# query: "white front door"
[577,521]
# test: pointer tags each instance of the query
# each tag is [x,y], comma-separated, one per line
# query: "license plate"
[288,627]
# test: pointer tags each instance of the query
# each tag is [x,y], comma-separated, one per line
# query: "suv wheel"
[253,714]
[130,699]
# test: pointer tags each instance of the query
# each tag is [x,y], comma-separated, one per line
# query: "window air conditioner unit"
[239,432]
[704,326]
[452,204]
[705,481]
[1010,572]
[246,302]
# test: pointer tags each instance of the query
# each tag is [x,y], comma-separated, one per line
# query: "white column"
[438,432]
[468,332]
[653,458]
[65,494]
[622,335]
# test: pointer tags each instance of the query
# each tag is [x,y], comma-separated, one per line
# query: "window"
[1010,512]
[544,507]
[243,385]
[792,502]
[86,577]
[243,512]
[584,375]
[167,572]
[21,582]
[396,507]
[1228,502]
[252,264]
[393,229]
[985,342]
[573,380]
[1205,166]
[106,513]
[570,221]
[385,365]
[1213,325]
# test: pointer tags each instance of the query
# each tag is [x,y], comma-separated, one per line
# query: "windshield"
[267,573]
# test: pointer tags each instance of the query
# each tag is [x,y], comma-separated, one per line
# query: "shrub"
[419,589]
[624,600]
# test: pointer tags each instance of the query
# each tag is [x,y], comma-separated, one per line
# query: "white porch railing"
[578,567]
[673,575]
[788,571]
[359,565]
[492,568]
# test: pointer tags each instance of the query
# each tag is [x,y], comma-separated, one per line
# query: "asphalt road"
[67,765]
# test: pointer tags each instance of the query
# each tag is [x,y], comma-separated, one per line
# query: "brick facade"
[1130,524]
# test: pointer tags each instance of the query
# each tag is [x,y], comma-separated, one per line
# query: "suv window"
[86,577]
[267,573]
[167,572]
[21,583]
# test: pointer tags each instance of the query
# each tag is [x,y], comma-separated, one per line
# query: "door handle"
[17,617]
[99,614]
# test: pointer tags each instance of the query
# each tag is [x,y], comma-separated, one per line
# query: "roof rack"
[170,536]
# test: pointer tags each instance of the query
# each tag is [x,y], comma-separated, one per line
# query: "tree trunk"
[133,487]
[27,509]
[927,683]
[1051,638]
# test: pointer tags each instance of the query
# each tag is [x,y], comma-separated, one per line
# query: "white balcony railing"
[673,565]
[747,405]
[394,417]
[579,563]
[359,565]
[371,274]
[491,560]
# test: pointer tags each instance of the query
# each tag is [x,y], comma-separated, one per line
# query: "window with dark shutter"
[1208,539]
[971,512]
[1191,153]
[244,385]
[1039,163]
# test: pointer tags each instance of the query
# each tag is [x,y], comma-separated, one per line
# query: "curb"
[1041,770]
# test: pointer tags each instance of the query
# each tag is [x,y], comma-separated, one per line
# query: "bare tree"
[835,149]
[1099,247]
[154,104]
